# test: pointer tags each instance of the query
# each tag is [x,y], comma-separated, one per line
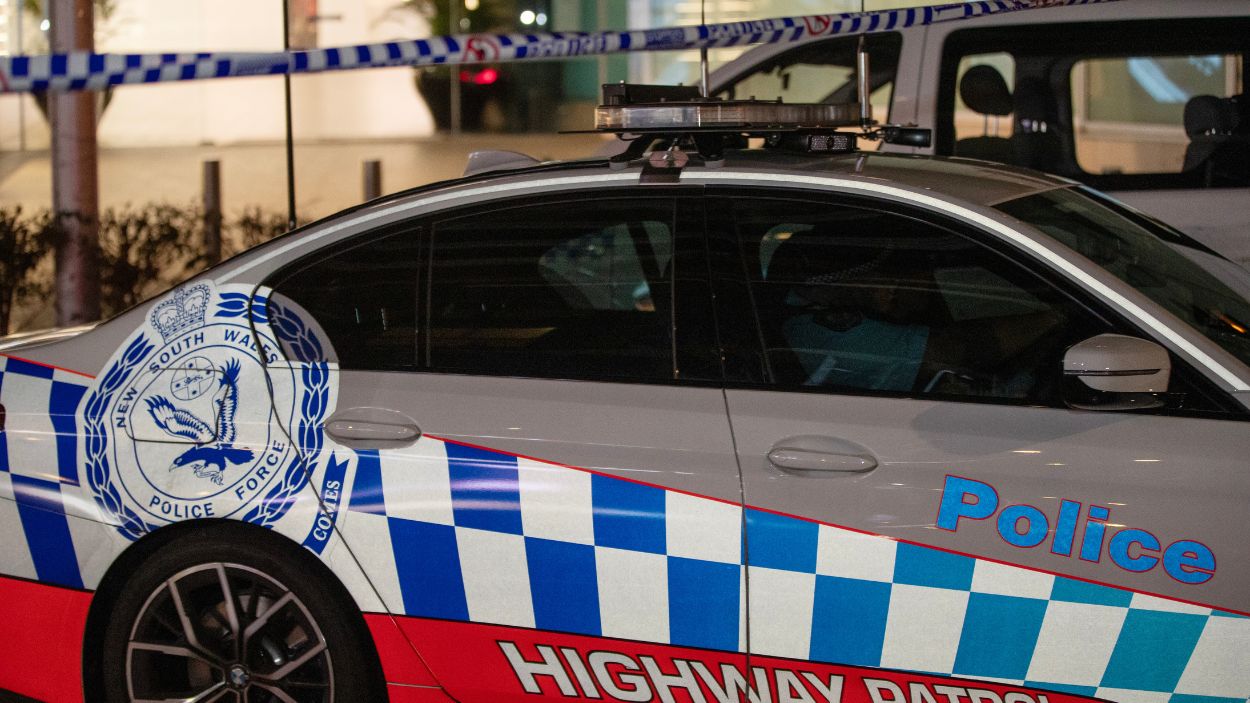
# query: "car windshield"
[1197,285]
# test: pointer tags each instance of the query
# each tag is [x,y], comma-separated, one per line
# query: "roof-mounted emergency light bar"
[648,108]
[645,113]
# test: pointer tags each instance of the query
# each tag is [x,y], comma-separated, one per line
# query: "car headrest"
[827,254]
[1241,106]
[983,90]
[1209,115]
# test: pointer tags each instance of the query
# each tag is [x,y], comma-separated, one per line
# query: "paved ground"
[328,175]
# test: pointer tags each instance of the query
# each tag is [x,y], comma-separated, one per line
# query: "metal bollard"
[211,243]
[373,179]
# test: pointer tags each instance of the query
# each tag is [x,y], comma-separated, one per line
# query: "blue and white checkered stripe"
[89,71]
[472,535]
[872,601]
[466,534]
[38,467]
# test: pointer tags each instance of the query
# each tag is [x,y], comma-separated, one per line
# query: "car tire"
[173,633]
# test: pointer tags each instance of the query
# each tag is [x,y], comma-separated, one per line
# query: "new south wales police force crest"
[183,423]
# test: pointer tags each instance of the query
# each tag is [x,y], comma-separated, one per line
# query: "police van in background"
[1144,99]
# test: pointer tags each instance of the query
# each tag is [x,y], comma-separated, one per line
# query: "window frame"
[1063,46]
[729,290]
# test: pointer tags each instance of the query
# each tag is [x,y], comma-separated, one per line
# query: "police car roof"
[975,182]
[970,180]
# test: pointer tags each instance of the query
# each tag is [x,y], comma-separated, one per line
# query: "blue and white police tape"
[92,71]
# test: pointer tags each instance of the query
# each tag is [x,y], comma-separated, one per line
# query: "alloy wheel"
[222,632]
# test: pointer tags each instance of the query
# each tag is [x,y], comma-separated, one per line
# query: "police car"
[697,423]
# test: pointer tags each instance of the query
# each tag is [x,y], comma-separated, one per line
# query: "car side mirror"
[1116,372]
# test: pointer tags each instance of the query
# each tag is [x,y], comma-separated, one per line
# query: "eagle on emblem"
[214,450]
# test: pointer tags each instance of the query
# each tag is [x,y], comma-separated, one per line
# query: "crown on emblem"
[185,310]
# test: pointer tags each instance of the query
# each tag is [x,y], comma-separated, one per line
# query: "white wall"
[361,104]
[368,103]
[214,112]
[18,113]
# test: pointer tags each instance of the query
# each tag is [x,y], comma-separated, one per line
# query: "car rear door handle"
[382,431]
[372,428]
[800,460]
[817,454]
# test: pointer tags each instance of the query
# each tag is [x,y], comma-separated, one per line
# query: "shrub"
[143,251]
[23,246]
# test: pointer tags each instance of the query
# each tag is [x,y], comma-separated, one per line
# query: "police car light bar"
[744,115]
[681,115]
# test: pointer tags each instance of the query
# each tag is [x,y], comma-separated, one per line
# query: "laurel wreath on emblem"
[311,426]
[240,304]
[98,472]
[291,329]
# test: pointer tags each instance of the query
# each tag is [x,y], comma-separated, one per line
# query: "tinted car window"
[859,299]
[577,289]
[358,301]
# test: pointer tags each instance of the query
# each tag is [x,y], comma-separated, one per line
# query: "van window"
[1118,105]
[822,72]
[1129,114]
[984,109]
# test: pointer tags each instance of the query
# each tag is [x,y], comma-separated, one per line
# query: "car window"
[822,72]
[358,302]
[576,289]
[860,299]
[1123,105]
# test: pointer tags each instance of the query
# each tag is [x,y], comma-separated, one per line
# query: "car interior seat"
[859,256]
[984,91]
[790,265]
[1034,137]
[1219,140]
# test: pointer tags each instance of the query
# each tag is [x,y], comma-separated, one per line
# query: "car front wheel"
[225,619]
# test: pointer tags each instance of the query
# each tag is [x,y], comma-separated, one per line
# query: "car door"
[918,498]
[539,477]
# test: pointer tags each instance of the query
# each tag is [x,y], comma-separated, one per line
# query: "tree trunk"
[75,187]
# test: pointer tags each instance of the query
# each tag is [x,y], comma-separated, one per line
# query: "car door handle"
[815,455]
[371,431]
[805,460]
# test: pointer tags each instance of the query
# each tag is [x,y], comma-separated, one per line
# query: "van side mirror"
[1116,372]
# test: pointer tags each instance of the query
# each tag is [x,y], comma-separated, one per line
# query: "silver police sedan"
[773,427]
